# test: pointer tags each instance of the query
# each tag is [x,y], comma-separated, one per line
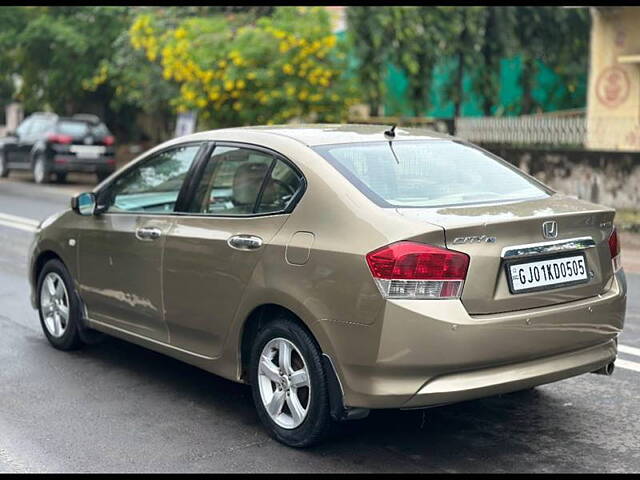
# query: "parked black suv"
[47,144]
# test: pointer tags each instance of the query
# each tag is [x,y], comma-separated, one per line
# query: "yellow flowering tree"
[285,66]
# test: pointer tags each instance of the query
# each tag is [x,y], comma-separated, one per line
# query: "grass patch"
[628,219]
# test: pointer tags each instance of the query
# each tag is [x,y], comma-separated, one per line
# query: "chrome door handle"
[245,242]
[148,233]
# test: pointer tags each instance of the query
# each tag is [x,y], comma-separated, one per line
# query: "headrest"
[247,182]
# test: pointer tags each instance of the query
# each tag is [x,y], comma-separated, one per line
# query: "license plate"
[87,151]
[545,274]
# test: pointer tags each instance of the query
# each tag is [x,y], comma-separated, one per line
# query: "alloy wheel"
[54,304]
[3,166]
[283,381]
[39,171]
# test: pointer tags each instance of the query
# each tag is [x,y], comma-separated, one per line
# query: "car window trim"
[249,146]
[193,174]
[265,181]
[140,162]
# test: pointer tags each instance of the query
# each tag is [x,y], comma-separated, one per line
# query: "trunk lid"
[483,231]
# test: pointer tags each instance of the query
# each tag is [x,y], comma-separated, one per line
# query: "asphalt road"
[118,407]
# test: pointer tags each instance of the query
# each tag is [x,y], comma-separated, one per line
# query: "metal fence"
[524,130]
[610,133]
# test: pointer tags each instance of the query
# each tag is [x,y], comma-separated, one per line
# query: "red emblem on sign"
[612,86]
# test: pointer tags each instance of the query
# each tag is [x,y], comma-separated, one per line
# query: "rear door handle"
[148,233]
[245,242]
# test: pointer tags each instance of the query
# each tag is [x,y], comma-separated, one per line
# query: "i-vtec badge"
[474,239]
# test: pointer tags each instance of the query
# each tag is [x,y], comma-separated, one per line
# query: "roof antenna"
[391,132]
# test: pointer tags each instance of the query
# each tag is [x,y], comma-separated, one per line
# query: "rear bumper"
[433,352]
[509,378]
[71,163]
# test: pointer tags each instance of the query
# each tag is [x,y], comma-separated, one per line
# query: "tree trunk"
[464,42]
[489,55]
[457,105]
[527,86]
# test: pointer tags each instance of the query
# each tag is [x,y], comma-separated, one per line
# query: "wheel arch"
[261,316]
[38,264]
[39,148]
[256,320]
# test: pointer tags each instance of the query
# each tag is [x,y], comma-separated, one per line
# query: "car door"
[239,202]
[27,140]
[120,250]
[12,149]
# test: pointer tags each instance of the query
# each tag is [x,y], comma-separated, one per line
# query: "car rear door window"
[154,184]
[232,181]
[39,126]
[25,127]
[280,189]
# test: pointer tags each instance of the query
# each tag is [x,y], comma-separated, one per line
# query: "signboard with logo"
[186,123]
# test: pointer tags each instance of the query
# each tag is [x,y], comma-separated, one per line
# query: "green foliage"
[260,64]
[370,31]
[236,72]
[13,20]
[474,40]
[58,48]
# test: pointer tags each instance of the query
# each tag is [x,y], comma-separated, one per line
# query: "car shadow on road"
[460,437]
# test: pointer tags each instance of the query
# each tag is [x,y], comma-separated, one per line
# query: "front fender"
[52,240]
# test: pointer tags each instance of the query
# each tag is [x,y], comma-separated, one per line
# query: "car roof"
[327,134]
[79,117]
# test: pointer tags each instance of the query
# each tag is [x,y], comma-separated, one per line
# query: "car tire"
[41,170]
[56,295]
[4,168]
[61,177]
[299,430]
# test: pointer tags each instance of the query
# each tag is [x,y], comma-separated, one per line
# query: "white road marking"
[630,350]
[19,226]
[628,365]
[20,223]
[14,218]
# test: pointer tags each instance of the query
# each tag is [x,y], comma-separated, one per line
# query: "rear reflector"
[614,250]
[416,270]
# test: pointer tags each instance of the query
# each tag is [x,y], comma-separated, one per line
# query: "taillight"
[614,249]
[109,140]
[416,270]
[59,138]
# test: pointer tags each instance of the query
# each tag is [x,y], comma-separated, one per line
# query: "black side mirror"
[84,203]
[11,133]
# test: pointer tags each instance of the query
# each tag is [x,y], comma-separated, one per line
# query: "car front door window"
[24,127]
[154,185]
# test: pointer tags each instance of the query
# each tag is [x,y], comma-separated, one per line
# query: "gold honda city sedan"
[337,269]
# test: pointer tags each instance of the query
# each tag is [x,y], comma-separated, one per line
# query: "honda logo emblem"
[550,229]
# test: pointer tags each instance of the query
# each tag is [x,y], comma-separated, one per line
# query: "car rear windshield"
[79,128]
[428,173]
[75,129]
